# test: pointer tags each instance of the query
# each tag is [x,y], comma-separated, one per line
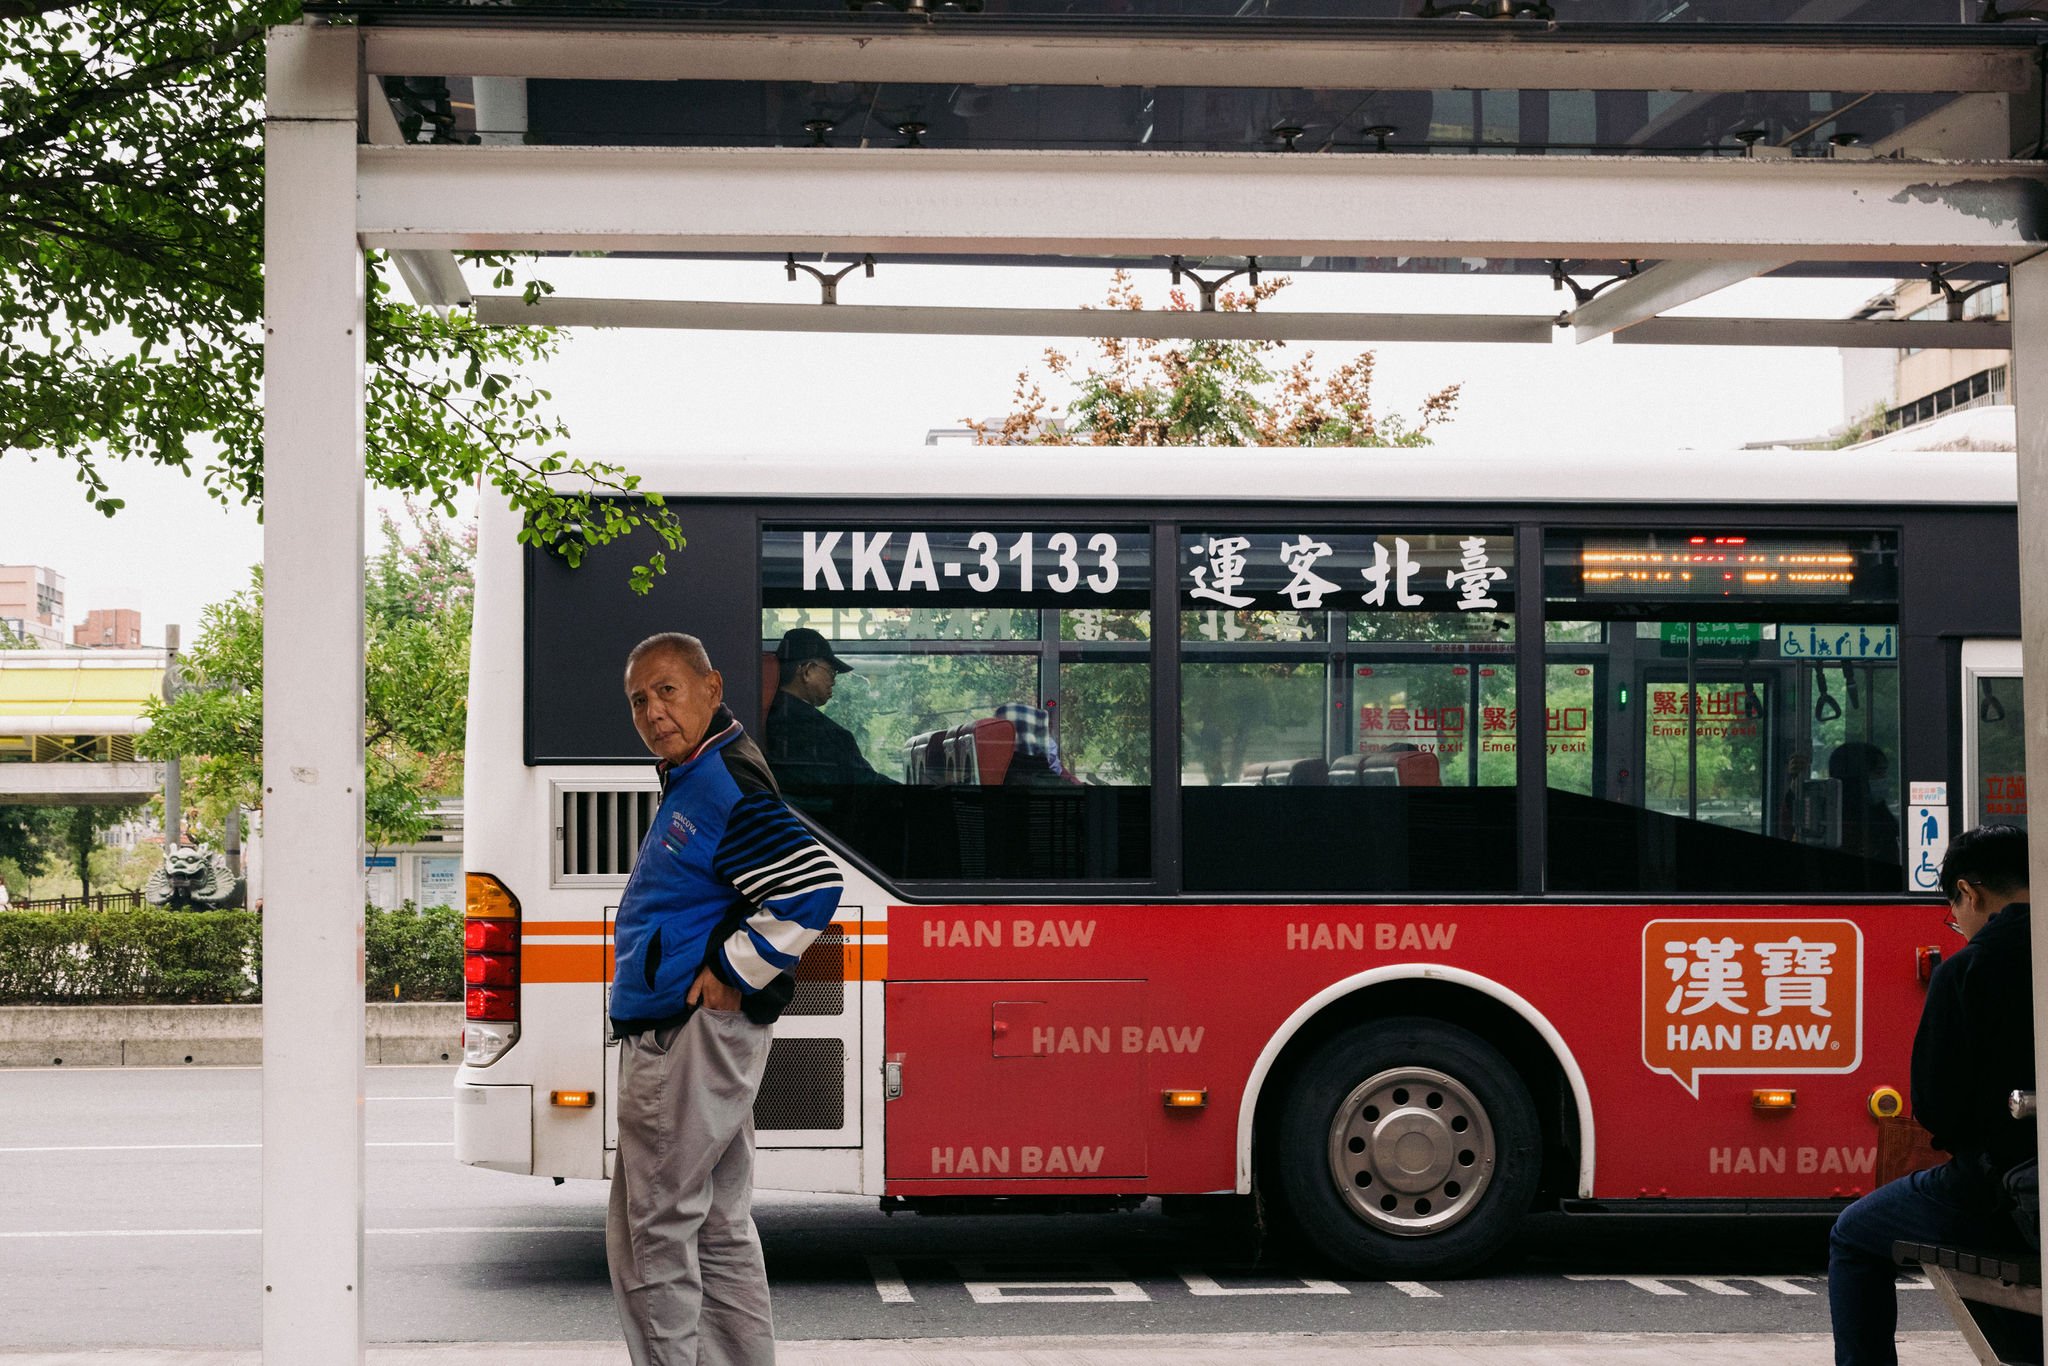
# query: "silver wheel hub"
[1411,1150]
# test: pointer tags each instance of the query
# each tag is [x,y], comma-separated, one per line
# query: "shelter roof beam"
[1663,286]
[505,310]
[657,199]
[1305,61]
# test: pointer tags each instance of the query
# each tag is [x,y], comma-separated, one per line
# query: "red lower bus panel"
[1672,1015]
[1017,1081]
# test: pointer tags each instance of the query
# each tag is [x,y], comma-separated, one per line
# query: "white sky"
[172,549]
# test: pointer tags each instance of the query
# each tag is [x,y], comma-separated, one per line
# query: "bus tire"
[1407,1147]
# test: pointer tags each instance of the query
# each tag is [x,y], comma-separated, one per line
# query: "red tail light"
[493,1003]
[490,936]
[490,970]
[490,942]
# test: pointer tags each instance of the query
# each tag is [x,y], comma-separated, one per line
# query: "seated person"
[1036,760]
[1974,1048]
[805,747]
[1869,828]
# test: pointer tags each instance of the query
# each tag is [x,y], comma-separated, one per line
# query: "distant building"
[118,628]
[1911,385]
[32,604]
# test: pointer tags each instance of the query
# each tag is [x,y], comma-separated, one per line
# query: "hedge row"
[206,957]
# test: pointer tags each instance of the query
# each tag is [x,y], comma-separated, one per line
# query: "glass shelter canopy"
[1844,79]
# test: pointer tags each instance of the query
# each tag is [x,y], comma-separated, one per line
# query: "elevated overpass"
[68,722]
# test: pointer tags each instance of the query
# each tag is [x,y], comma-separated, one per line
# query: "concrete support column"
[2030,399]
[313,705]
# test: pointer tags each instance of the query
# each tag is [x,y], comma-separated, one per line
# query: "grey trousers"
[685,1258]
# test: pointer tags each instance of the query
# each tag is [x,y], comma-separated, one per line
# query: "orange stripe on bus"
[565,963]
[594,962]
[597,927]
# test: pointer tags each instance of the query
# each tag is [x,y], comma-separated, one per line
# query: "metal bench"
[1995,1301]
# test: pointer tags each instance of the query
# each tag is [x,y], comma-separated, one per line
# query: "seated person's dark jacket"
[1975,1047]
[808,749]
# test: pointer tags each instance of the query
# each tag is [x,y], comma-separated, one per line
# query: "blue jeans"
[1945,1205]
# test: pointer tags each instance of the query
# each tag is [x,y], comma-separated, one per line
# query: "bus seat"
[974,753]
[1419,768]
[771,679]
[1388,768]
[986,750]
[1288,773]
[1353,770]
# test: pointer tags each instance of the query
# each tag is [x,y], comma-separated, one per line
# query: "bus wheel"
[1406,1146]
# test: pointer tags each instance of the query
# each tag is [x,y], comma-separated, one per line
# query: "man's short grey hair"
[687,648]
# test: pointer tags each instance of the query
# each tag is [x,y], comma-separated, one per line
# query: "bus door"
[809,1095]
[1994,735]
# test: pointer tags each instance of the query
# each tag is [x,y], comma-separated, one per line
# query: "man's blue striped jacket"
[727,879]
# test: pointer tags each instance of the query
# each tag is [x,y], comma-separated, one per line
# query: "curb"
[203,1036]
[1140,1349]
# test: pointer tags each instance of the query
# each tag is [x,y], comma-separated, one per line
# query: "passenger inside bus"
[806,748]
[1868,826]
[1036,759]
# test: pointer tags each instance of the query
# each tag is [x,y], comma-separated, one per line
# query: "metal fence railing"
[104,901]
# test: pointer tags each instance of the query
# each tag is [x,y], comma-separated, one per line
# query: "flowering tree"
[1145,392]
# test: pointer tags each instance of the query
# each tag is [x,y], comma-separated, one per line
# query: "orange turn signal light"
[1774,1100]
[573,1100]
[1186,1100]
[486,898]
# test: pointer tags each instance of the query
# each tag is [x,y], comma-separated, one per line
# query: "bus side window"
[1739,703]
[988,737]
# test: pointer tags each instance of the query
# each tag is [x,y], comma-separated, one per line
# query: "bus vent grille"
[821,976]
[805,1085]
[598,833]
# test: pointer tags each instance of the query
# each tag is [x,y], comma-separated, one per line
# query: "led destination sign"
[1736,566]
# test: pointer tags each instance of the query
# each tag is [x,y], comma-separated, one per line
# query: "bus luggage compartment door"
[1016,1082]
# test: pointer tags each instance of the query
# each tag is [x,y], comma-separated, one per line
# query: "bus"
[1407,839]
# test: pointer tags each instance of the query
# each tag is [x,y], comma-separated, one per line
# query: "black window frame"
[1957,569]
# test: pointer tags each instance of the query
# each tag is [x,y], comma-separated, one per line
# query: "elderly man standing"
[728,891]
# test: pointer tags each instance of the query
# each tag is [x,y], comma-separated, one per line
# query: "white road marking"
[1416,1290]
[889,1282]
[1201,1283]
[1713,1285]
[1111,1288]
[200,1147]
[1652,1285]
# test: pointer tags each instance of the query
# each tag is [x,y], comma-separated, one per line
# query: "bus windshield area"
[1721,715]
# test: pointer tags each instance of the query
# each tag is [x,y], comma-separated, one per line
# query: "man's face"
[1972,907]
[672,703]
[815,680]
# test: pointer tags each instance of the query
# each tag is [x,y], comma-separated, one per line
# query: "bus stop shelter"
[1642,154]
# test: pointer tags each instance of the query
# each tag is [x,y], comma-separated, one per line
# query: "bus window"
[1998,751]
[1724,716]
[984,711]
[1345,704]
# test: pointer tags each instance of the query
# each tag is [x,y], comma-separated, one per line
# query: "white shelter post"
[2030,398]
[312,705]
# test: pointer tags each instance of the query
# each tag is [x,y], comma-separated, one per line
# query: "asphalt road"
[132,1207]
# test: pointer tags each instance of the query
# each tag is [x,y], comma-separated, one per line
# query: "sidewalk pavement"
[1229,1349]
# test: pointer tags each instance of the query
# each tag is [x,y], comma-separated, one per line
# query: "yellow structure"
[68,722]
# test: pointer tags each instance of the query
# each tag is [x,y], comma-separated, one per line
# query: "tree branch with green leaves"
[131,288]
